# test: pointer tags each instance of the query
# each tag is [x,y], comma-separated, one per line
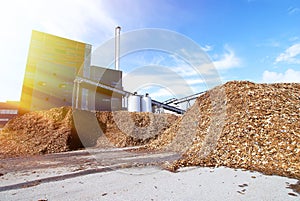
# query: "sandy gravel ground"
[50,179]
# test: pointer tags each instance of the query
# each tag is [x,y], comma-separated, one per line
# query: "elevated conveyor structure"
[187,98]
[187,101]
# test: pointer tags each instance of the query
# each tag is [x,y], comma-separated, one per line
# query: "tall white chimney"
[117,47]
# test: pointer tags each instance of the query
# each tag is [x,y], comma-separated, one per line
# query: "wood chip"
[259,130]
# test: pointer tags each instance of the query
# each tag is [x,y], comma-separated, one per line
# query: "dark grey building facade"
[101,99]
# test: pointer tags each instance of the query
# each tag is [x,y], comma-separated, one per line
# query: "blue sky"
[255,40]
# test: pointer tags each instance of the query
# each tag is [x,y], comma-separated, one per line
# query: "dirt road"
[30,171]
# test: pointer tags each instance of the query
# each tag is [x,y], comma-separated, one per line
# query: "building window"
[7,111]
[42,83]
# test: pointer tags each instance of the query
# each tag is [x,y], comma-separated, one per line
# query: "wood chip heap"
[254,127]
[53,131]
[38,133]
[239,125]
[122,129]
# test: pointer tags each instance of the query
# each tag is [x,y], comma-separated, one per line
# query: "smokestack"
[117,47]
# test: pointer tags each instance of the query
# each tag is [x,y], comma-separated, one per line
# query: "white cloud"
[87,21]
[228,60]
[288,76]
[73,19]
[164,77]
[189,81]
[185,70]
[222,62]
[195,81]
[291,55]
[161,94]
[207,48]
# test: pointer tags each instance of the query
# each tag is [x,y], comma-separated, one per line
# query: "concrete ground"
[114,175]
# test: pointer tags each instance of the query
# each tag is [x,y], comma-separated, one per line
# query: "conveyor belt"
[168,107]
[188,98]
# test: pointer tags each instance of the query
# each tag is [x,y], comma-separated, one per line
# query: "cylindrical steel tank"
[134,103]
[146,103]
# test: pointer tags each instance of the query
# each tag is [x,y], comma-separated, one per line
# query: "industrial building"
[8,110]
[59,73]
[52,64]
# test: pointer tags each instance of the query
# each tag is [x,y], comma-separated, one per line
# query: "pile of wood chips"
[122,129]
[240,125]
[53,131]
[38,133]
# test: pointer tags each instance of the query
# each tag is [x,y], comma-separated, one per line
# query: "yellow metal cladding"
[52,62]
